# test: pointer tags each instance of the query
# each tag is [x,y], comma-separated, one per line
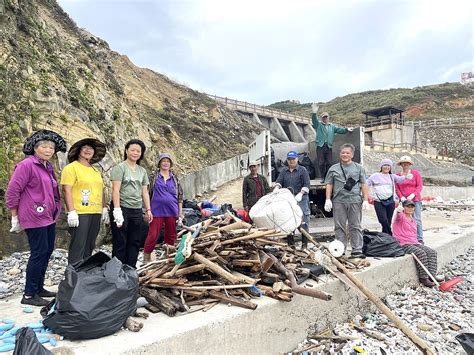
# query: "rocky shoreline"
[435,316]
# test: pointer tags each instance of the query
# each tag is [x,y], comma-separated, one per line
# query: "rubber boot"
[146,258]
[290,238]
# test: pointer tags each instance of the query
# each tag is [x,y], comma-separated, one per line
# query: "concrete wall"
[213,176]
[448,192]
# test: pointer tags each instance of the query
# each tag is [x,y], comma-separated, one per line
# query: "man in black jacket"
[255,186]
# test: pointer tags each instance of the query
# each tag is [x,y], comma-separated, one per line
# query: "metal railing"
[454,121]
[260,110]
[401,146]
[384,121]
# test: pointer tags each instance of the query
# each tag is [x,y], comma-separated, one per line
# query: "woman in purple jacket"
[34,202]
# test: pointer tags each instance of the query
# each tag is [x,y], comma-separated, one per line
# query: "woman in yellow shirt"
[84,196]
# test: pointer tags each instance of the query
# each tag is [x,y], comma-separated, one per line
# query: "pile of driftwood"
[229,261]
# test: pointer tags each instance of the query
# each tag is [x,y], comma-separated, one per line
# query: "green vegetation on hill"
[420,103]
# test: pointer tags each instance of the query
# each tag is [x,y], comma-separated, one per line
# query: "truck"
[272,156]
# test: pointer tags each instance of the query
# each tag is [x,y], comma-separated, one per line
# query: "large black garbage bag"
[304,160]
[95,298]
[381,245]
[467,342]
[27,343]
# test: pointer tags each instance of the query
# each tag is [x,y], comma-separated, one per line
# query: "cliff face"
[55,75]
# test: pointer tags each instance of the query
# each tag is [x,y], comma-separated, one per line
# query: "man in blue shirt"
[295,178]
[325,133]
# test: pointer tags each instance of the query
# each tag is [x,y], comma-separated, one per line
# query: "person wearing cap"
[345,183]
[83,190]
[405,231]
[254,186]
[325,133]
[33,199]
[295,178]
[166,195]
[129,198]
[382,186]
[410,189]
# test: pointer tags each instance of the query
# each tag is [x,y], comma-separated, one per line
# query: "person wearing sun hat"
[382,189]
[254,186]
[325,133]
[410,189]
[83,189]
[166,196]
[33,199]
[405,231]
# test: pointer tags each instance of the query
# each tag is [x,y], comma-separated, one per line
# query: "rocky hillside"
[55,75]
[421,103]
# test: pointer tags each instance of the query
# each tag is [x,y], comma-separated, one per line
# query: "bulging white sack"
[277,210]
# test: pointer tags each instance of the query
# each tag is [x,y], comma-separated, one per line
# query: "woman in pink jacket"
[33,199]
[411,190]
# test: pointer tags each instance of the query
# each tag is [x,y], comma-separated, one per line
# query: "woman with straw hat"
[83,189]
[33,198]
[410,189]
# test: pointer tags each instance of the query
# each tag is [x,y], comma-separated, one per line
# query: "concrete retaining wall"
[274,327]
[213,176]
[447,192]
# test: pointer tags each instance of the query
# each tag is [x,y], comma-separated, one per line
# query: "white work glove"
[15,225]
[299,197]
[179,222]
[410,197]
[350,129]
[409,176]
[105,216]
[72,219]
[314,107]
[403,199]
[276,187]
[118,216]
[365,205]
[328,205]
[399,208]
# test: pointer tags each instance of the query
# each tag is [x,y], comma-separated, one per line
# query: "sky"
[268,51]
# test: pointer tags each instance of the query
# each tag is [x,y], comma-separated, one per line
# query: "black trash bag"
[191,204]
[304,160]
[467,342]
[191,216]
[226,207]
[27,343]
[381,245]
[95,298]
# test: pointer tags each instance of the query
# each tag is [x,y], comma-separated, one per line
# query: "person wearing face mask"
[254,186]
[345,182]
[295,178]
[33,199]
[382,186]
[129,198]
[166,195]
[83,190]
[325,133]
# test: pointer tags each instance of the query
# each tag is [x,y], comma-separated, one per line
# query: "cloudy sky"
[268,51]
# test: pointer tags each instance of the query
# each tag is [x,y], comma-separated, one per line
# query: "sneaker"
[34,301]
[426,282]
[357,255]
[46,293]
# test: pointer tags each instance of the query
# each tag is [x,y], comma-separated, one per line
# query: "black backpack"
[381,244]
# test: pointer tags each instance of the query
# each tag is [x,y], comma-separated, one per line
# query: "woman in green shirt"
[129,197]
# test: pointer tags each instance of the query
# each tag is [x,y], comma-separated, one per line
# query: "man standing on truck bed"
[325,133]
[295,178]
[345,181]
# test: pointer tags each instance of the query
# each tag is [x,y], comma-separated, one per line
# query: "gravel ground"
[13,270]
[437,317]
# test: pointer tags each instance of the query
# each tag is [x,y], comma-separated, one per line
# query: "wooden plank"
[226,299]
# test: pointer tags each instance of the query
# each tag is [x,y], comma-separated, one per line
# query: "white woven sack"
[277,210]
